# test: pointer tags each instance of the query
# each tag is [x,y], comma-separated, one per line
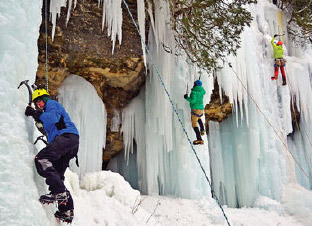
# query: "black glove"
[185,96]
[32,112]
[275,36]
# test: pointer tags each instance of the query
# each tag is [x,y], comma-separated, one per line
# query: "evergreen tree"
[300,22]
[209,30]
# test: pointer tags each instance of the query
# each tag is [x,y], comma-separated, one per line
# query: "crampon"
[66,216]
[51,198]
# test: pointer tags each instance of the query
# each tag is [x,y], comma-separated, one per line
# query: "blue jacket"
[56,120]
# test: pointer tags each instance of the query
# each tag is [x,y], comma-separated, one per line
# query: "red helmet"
[279,43]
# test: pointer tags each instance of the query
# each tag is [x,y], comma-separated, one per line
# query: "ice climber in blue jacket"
[63,143]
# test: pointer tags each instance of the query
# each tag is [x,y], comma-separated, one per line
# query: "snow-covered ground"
[105,198]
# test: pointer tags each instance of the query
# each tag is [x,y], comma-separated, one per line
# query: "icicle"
[141,20]
[115,122]
[112,18]
[68,11]
[55,11]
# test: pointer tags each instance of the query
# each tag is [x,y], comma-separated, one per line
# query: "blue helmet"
[198,83]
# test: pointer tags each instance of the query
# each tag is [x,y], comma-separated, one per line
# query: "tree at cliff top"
[209,30]
[300,22]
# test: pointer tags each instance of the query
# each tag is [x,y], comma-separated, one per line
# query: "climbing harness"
[177,114]
[267,120]
[279,62]
[197,115]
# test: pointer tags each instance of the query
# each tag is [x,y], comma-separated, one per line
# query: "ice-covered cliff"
[250,154]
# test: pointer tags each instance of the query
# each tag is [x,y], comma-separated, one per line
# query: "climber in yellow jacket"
[278,51]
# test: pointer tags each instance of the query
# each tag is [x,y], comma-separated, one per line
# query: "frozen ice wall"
[166,164]
[249,151]
[88,112]
[19,31]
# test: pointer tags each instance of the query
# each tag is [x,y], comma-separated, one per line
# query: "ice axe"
[39,125]
[25,82]
[276,35]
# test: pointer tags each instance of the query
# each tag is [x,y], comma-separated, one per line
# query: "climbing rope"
[46,43]
[176,112]
[266,119]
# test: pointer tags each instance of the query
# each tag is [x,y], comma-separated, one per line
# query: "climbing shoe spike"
[51,198]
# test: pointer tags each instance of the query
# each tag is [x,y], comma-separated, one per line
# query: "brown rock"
[82,48]
[217,110]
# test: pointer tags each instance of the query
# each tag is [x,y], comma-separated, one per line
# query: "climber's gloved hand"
[275,35]
[29,111]
[32,112]
[185,96]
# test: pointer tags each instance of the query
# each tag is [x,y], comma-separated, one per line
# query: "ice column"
[88,112]
[19,26]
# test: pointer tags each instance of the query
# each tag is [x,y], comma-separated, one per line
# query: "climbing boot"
[65,216]
[196,130]
[284,83]
[51,198]
[196,142]
[274,78]
[201,126]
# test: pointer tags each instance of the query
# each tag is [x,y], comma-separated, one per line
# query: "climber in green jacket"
[197,109]
[278,51]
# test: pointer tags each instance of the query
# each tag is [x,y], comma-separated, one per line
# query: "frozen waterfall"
[250,154]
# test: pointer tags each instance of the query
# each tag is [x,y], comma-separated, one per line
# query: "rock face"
[217,110]
[82,48]
[295,115]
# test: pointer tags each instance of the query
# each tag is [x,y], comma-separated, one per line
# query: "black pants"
[51,163]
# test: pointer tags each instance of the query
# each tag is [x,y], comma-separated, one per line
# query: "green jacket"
[196,98]
[277,50]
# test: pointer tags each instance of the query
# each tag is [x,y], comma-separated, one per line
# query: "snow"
[105,198]
[249,165]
